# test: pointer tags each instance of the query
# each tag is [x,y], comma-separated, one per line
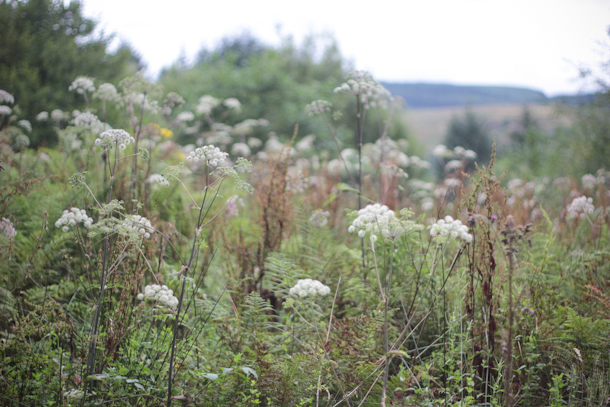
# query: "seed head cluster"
[450,228]
[73,217]
[113,137]
[139,224]
[209,154]
[159,293]
[306,287]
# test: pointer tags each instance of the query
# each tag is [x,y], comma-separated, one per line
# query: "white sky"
[530,43]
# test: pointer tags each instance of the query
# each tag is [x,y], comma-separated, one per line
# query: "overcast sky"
[530,43]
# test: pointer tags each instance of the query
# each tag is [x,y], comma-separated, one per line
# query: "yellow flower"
[181,156]
[167,133]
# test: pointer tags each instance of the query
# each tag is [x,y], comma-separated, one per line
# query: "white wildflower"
[309,287]
[57,115]
[589,181]
[209,154]
[580,207]
[371,93]
[185,116]
[42,116]
[89,121]
[82,84]
[139,224]
[158,179]
[72,218]
[106,92]
[254,142]
[453,165]
[114,137]
[306,143]
[25,125]
[453,183]
[317,107]
[5,110]
[447,228]
[241,149]
[319,218]
[232,103]
[6,97]
[160,294]
[206,104]
[379,219]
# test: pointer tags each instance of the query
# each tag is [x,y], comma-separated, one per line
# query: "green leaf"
[249,371]
[210,376]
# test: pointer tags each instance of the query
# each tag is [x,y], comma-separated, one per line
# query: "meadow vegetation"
[260,228]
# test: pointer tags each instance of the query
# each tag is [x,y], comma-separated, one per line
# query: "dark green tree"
[469,131]
[44,46]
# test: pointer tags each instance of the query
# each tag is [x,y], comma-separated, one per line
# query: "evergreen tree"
[469,131]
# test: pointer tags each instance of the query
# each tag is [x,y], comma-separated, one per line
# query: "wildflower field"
[160,249]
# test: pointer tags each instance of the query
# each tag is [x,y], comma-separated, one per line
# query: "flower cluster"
[319,218]
[232,103]
[139,224]
[110,138]
[159,293]
[241,149]
[89,121]
[42,116]
[210,154]
[25,125]
[106,92]
[72,217]
[5,110]
[158,179]
[450,228]
[7,229]
[372,218]
[371,93]
[185,116]
[306,287]
[206,104]
[317,107]
[6,97]
[580,207]
[57,115]
[82,84]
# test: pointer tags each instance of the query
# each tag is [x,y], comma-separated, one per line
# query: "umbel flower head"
[106,92]
[362,84]
[114,137]
[580,208]
[159,293]
[72,218]
[306,287]
[209,154]
[379,219]
[82,84]
[139,224]
[444,229]
[6,97]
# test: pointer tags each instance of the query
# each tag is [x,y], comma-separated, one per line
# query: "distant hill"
[429,95]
